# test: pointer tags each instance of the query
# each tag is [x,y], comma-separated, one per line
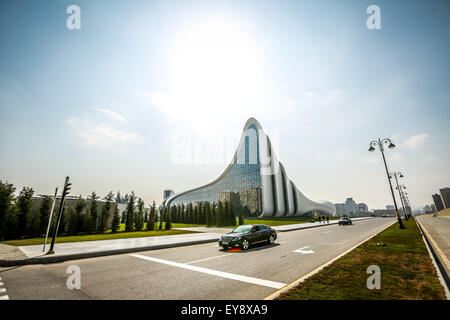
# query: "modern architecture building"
[438,202]
[167,193]
[445,195]
[256,180]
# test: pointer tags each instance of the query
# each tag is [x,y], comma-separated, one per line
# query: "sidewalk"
[88,249]
[438,231]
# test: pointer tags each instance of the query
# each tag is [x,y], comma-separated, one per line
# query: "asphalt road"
[193,272]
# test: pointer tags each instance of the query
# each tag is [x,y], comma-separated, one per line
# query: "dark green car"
[246,235]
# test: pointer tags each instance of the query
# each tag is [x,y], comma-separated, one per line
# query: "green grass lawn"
[100,236]
[406,271]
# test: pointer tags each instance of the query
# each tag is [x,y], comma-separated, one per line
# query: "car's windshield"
[242,229]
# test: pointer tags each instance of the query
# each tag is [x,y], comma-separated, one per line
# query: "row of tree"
[212,214]
[24,217]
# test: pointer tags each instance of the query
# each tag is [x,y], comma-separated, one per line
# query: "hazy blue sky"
[112,104]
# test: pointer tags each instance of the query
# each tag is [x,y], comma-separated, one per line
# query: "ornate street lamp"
[380,143]
[396,176]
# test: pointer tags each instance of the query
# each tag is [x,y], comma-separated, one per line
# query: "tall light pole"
[380,144]
[396,176]
[65,192]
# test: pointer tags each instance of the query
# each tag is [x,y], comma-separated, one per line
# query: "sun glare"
[215,66]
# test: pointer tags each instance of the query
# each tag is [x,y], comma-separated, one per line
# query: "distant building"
[363,207]
[351,207]
[438,202]
[427,209]
[340,209]
[445,195]
[390,207]
[433,208]
[385,212]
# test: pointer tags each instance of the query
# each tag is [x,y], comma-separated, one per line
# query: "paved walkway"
[438,229]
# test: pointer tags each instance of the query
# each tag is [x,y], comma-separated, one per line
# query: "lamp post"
[380,144]
[396,176]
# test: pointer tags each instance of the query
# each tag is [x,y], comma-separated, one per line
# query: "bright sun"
[214,66]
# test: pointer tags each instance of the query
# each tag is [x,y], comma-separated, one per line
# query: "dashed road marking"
[4,297]
[232,276]
[282,242]
[2,290]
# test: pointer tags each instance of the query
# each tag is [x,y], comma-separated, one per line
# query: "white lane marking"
[4,297]
[302,251]
[206,259]
[232,276]
[2,290]
[282,242]
[1,283]
[216,245]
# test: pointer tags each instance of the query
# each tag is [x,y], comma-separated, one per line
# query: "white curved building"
[257,180]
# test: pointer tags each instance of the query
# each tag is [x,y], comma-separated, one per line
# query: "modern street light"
[380,144]
[396,176]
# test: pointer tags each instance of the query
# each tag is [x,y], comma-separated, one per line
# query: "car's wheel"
[225,247]
[271,239]
[245,244]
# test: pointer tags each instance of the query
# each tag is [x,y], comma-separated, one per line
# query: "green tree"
[161,218]
[232,215]
[24,205]
[93,213]
[168,225]
[106,212]
[10,222]
[62,222]
[44,214]
[241,218]
[209,220]
[139,217]
[152,218]
[116,220]
[129,212]
[6,201]
[220,214]
[81,217]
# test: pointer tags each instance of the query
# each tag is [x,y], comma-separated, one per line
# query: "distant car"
[385,216]
[246,235]
[312,220]
[345,221]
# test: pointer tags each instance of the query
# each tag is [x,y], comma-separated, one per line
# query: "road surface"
[192,272]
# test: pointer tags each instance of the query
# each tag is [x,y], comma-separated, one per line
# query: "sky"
[148,95]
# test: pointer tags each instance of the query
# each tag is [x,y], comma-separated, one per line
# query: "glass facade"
[240,185]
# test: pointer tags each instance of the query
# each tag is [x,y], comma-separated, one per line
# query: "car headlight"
[237,238]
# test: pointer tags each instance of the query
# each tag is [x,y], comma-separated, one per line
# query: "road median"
[405,271]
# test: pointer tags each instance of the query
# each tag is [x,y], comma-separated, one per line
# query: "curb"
[318,269]
[435,258]
[66,257]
